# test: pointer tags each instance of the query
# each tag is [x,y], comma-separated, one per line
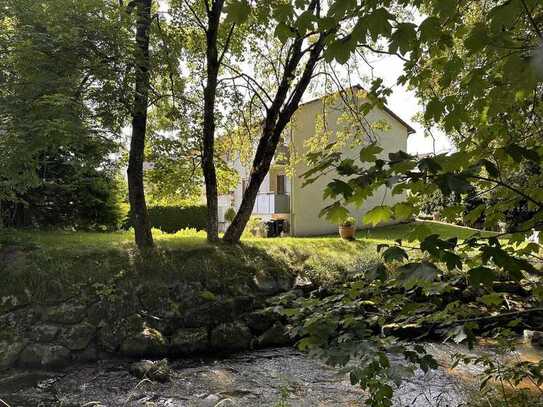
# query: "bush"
[230,214]
[171,219]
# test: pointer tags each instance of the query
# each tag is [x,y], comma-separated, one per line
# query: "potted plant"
[347,228]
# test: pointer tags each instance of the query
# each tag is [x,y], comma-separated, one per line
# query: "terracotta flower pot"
[347,232]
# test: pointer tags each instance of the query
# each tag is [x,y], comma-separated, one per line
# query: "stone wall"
[145,320]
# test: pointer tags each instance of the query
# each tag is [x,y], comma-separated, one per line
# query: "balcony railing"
[268,203]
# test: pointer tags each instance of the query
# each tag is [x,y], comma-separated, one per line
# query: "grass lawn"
[191,239]
[54,264]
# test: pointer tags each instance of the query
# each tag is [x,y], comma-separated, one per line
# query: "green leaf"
[283,32]
[412,274]
[481,276]
[394,253]
[237,11]
[477,39]
[369,153]
[430,29]
[404,38]
[473,216]
[493,299]
[377,215]
[338,187]
[403,211]
[335,213]
[378,23]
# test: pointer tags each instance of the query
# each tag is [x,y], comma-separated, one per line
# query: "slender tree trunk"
[276,120]
[210,91]
[138,206]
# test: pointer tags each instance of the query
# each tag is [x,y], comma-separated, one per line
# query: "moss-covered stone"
[66,313]
[45,333]
[78,337]
[277,335]
[46,356]
[189,341]
[231,337]
[9,353]
[147,343]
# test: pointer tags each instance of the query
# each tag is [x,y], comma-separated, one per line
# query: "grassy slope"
[58,264]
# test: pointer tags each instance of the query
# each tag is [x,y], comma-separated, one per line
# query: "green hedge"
[171,219]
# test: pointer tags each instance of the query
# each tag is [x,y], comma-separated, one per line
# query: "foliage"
[172,219]
[230,214]
[350,221]
[70,196]
[63,73]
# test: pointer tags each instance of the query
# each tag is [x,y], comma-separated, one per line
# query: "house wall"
[307,202]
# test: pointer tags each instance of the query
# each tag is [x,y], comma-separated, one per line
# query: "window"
[281,187]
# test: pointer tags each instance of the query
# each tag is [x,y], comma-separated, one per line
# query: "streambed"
[275,377]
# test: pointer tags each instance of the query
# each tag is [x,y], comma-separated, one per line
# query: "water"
[276,377]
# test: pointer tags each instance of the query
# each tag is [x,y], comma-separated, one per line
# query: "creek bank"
[146,321]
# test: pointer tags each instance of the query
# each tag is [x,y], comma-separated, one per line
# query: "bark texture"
[208,142]
[138,206]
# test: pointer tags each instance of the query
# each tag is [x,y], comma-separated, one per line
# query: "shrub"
[230,214]
[350,221]
[171,219]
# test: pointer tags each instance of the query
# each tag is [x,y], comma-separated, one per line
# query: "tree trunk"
[210,91]
[276,121]
[138,206]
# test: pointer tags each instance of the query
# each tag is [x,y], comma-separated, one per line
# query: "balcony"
[270,203]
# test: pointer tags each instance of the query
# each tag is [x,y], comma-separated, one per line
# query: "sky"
[405,104]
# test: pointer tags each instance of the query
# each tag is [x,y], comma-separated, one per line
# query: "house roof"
[410,130]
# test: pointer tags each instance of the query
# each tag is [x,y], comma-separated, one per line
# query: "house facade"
[282,194]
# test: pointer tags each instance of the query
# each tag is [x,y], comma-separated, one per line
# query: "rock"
[111,335]
[78,337]
[304,284]
[261,320]
[211,400]
[189,340]
[49,356]
[277,335]
[158,371]
[272,282]
[9,353]
[45,333]
[534,338]
[148,342]
[233,336]
[66,313]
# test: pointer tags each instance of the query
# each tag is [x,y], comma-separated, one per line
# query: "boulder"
[534,338]
[47,356]
[232,336]
[148,342]
[78,337]
[269,282]
[67,313]
[187,341]
[9,353]
[158,371]
[45,333]
[277,335]
[261,320]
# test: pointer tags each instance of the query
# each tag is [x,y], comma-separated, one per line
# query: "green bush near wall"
[171,219]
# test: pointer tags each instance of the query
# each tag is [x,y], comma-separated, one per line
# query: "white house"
[282,195]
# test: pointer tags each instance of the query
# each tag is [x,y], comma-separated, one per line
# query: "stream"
[278,377]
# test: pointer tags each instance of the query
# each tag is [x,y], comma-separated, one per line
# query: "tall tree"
[310,31]
[63,81]
[208,137]
[136,191]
